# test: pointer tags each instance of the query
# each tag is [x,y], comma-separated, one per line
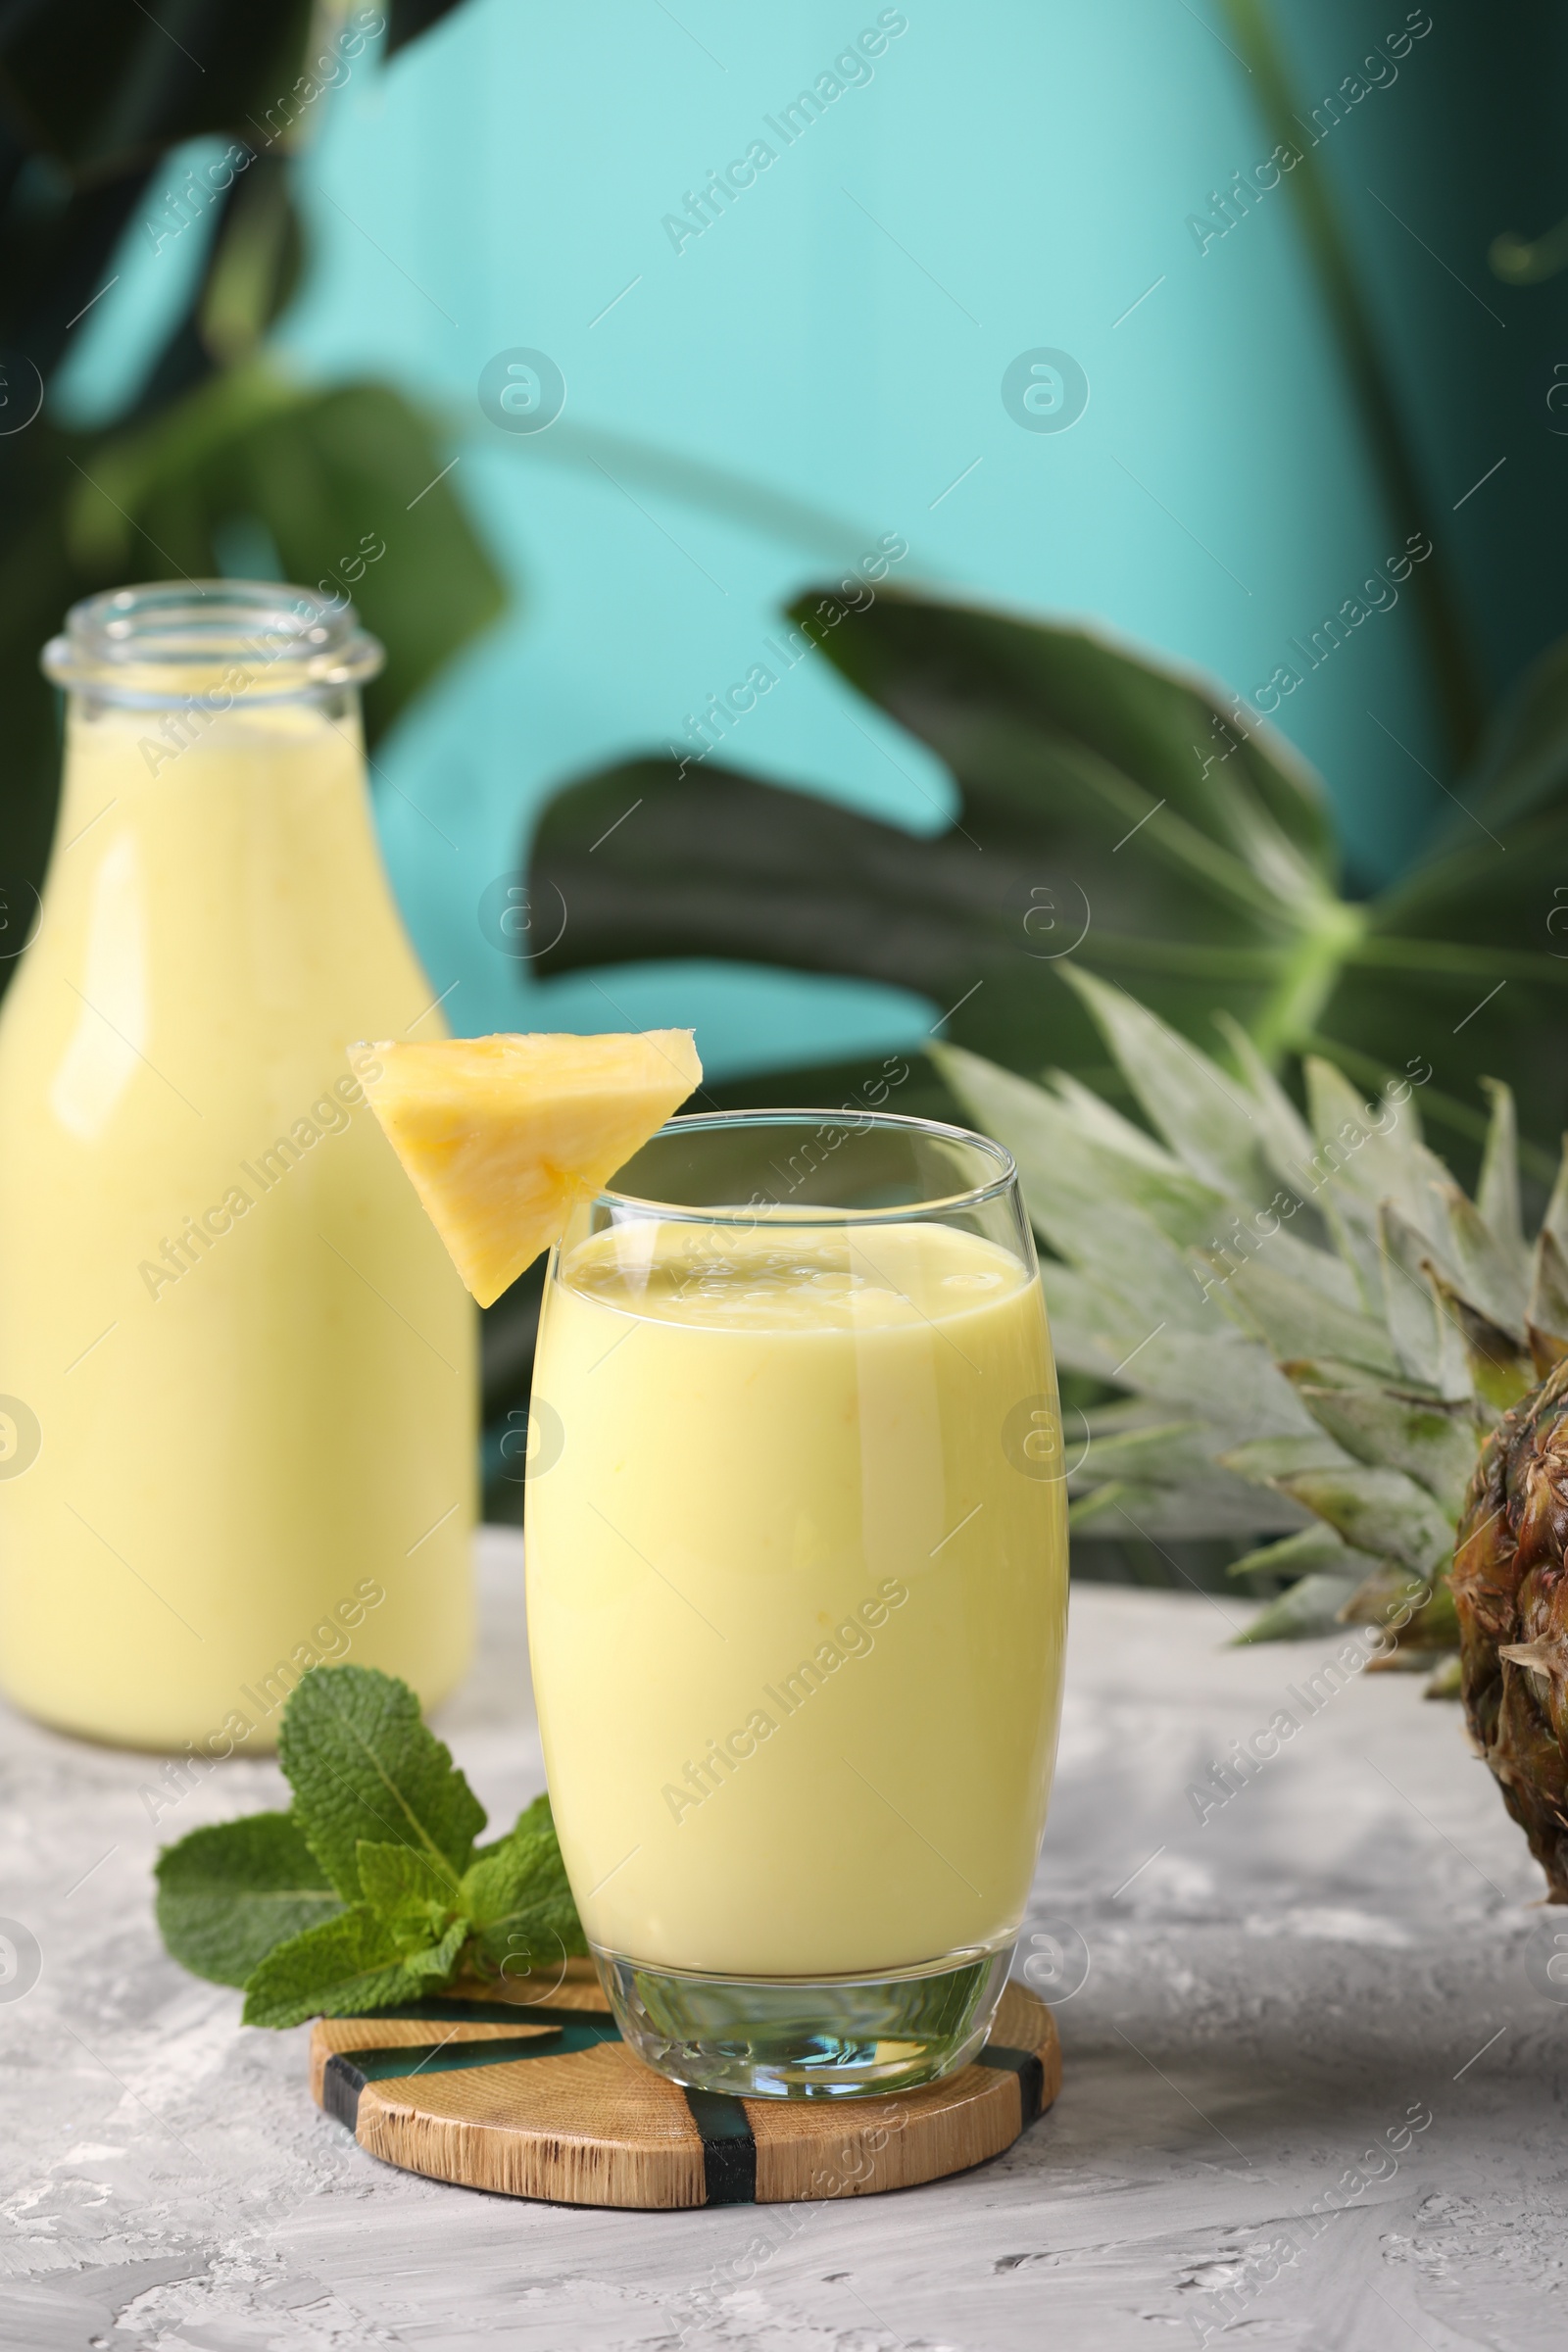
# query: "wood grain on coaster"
[541,2099]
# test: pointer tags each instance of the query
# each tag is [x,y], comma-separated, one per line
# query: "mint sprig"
[368,1891]
[227,1895]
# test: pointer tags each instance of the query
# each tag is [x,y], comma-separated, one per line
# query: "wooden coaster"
[541,2099]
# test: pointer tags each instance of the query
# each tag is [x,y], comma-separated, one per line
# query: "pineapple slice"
[503,1136]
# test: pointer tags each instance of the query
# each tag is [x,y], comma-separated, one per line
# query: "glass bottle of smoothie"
[237,1393]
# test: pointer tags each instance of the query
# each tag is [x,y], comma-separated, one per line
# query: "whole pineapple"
[1316,1331]
[1510,1590]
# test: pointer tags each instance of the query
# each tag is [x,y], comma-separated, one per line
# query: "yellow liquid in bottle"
[796,1603]
[248,1358]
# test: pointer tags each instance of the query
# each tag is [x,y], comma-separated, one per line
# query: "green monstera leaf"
[1129,815]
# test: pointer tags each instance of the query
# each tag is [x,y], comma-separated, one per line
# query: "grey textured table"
[1343,1957]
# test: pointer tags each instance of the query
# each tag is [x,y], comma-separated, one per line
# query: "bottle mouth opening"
[258,640]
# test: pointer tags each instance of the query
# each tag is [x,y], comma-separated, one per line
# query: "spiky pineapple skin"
[1511,1592]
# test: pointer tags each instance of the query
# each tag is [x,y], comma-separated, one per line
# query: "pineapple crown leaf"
[1199,1110]
[1377,1510]
[1314,1546]
[1309,1610]
[1294,1319]
[1381,1593]
[1344,1319]
[1501,1370]
[1286,1138]
[1498,1193]
[1425,1336]
[1432,1441]
[1489,1274]
[1555,1220]
[1546,1316]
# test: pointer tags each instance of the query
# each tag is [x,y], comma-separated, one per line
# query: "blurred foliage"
[508,1332]
[218,448]
[1130,814]
[1350,313]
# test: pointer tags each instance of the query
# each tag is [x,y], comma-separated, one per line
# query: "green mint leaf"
[361,1765]
[536,1816]
[503,1876]
[513,1859]
[419,1901]
[519,1899]
[228,1894]
[437,1963]
[343,1967]
[395,1878]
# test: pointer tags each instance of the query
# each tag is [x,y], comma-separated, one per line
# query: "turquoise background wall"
[823,365]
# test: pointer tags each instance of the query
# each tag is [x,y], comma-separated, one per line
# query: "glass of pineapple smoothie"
[797,1593]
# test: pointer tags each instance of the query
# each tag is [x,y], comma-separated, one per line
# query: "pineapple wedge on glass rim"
[501,1136]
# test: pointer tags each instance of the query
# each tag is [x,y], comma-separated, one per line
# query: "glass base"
[796,2037]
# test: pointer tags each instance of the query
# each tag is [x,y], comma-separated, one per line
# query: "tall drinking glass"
[797,1593]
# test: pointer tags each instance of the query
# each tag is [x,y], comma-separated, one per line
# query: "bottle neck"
[211,646]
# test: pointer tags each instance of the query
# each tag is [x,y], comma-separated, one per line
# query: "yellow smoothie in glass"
[248,1358]
[796,1600]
